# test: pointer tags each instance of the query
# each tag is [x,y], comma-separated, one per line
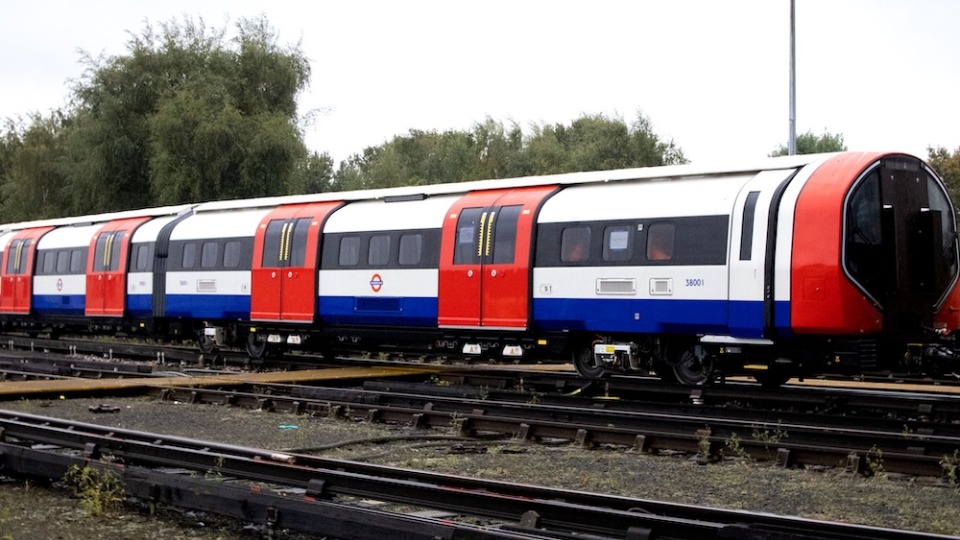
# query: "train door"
[286,253]
[107,267]
[17,270]
[485,253]
[750,315]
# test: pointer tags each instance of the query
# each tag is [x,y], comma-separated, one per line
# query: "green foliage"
[735,445]
[491,150]
[947,164]
[31,168]
[100,490]
[313,175]
[767,436]
[595,143]
[874,459]
[4,516]
[808,143]
[951,468]
[184,116]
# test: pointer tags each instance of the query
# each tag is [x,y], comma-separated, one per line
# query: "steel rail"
[861,450]
[547,512]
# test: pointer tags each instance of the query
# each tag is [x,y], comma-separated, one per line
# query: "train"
[783,267]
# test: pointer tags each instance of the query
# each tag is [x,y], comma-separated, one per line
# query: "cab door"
[17,270]
[751,309]
[486,254]
[107,268]
[286,253]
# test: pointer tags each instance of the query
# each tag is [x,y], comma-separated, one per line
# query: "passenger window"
[231,254]
[49,262]
[77,262]
[208,255]
[660,237]
[410,249]
[63,261]
[575,244]
[143,258]
[349,251]
[617,243]
[189,259]
[379,252]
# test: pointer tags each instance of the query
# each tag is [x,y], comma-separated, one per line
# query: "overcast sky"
[710,74]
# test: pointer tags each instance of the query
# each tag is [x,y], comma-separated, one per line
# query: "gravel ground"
[29,512]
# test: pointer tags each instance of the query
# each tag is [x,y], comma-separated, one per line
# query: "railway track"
[866,446]
[864,431]
[321,496]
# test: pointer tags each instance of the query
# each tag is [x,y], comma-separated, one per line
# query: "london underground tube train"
[788,266]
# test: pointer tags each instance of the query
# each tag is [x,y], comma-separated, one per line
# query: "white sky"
[710,74]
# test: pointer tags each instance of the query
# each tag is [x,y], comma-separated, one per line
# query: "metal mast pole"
[792,139]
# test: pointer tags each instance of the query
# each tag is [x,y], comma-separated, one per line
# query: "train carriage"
[208,270]
[60,278]
[382,271]
[787,266]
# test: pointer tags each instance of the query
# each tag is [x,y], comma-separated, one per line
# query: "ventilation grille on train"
[661,286]
[206,285]
[616,286]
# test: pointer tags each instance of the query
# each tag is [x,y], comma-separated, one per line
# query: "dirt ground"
[33,512]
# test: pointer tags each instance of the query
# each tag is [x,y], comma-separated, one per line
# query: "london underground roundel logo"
[59,284]
[376,283]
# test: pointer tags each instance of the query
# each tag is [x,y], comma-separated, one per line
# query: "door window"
[296,255]
[505,234]
[469,232]
[273,242]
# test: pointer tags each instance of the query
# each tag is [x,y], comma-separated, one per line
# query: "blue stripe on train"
[738,319]
[140,305]
[59,304]
[209,306]
[378,310]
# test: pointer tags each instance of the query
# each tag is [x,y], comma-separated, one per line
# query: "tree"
[595,142]
[31,168]
[490,150]
[947,164]
[313,175]
[186,116]
[808,143]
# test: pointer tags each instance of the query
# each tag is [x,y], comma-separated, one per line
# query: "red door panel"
[107,267]
[285,257]
[486,254]
[505,289]
[461,259]
[17,270]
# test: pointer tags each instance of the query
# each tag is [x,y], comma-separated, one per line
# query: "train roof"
[98,218]
[422,191]
[617,175]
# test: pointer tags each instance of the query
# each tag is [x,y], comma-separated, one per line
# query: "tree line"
[187,114]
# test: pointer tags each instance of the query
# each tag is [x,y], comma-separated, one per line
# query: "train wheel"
[256,345]
[587,364]
[688,364]
[206,344]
